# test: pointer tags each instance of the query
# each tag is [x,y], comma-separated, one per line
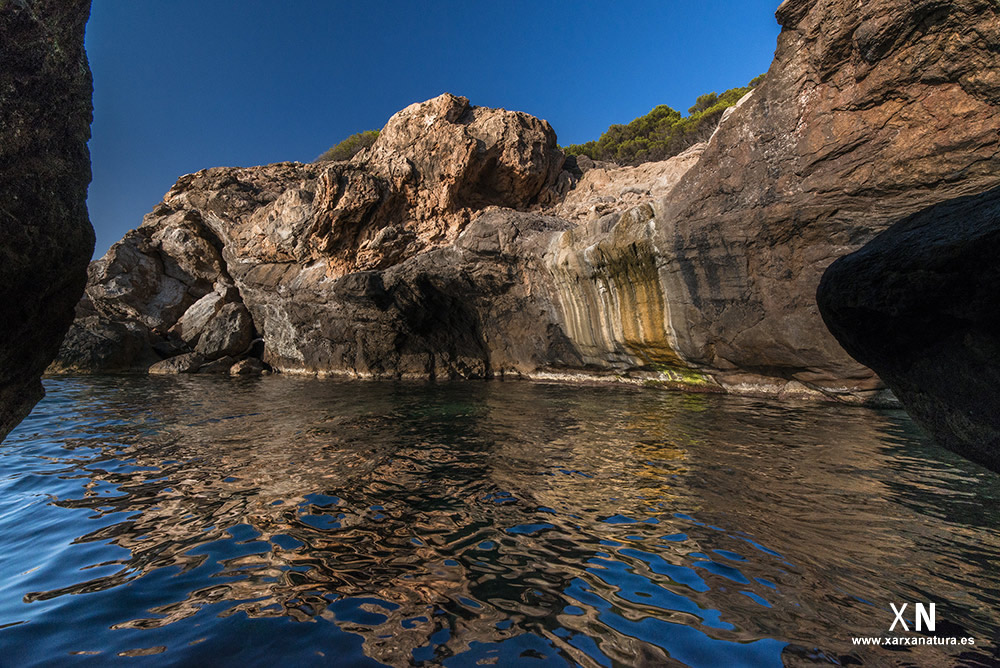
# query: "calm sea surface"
[245,522]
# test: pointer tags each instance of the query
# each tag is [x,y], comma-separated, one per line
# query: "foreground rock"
[920,304]
[455,246]
[45,235]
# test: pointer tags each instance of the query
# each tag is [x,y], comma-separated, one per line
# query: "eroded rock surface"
[869,113]
[229,332]
[96,342]
[605,188]
[314,257]
[248,367]
[183,363]
[45,235]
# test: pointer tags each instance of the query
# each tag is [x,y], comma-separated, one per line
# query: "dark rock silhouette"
[920,304]
[45,235]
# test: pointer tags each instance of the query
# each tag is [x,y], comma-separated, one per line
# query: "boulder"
[920,304]
[228,332]
[158,271]
[196,318]
[186,363]
[45,235]
[466,157]
[221,365]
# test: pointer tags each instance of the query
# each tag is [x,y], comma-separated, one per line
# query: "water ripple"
[233,521]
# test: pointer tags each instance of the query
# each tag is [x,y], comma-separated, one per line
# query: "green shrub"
[704,102]
[663,132]
[346,149]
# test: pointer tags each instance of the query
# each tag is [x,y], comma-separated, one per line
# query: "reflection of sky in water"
[231,520]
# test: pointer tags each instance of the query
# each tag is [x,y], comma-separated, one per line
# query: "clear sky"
[188,84]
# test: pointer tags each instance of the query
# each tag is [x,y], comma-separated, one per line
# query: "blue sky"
[184,85]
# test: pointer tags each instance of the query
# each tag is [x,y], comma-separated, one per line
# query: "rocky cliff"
[45,235]
[461,244]
[870,112]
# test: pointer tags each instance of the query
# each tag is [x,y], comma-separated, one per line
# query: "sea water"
[244,522]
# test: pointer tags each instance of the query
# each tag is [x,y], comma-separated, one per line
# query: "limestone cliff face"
[460,244]
[870,112]
[45,235]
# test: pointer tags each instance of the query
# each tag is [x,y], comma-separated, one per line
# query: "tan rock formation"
[869,112]
[606,188]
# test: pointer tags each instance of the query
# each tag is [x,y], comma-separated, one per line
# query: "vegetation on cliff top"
[663,132]
[660,134]
[346,149]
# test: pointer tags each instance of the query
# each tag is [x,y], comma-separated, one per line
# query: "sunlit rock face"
[353,267]
[45,235]
[610,295]
[870,112]
[462,245]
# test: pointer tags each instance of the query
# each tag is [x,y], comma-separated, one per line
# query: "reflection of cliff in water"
[430,517]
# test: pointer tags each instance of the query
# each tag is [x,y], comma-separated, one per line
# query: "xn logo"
[924,616]
[924,619]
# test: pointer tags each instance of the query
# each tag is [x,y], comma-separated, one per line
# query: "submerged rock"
[45,235]
[920,304]
[248,367]
[221,365]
